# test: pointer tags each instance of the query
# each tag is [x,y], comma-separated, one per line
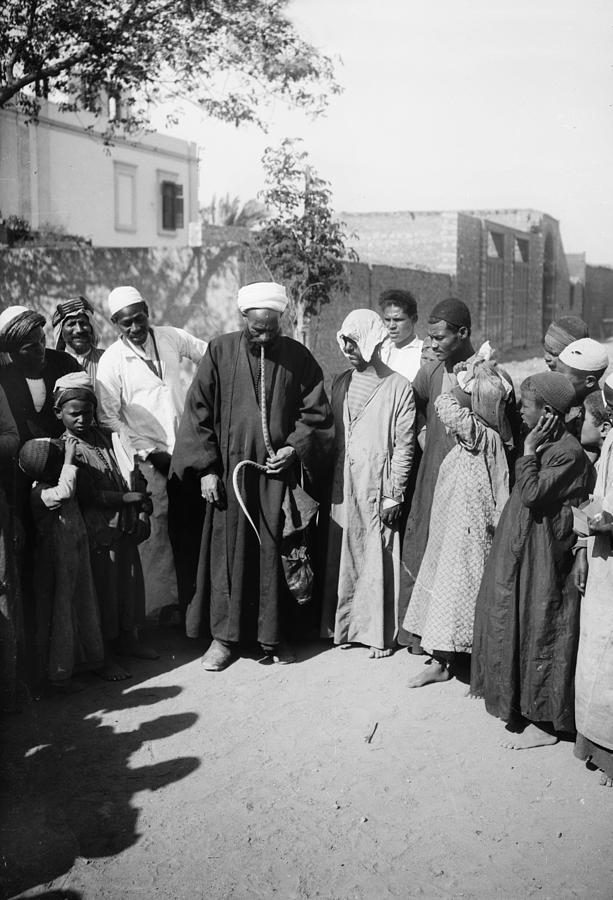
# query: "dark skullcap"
[41,457]
[552,388]
[16,323]
[563,332]
[452,311]
[73,386]
[71,308]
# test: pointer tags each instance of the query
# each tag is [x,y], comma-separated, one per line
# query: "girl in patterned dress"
[471,490]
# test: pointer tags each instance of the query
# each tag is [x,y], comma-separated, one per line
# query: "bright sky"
[450,104]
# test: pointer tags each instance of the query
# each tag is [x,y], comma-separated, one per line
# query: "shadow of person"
[67,784]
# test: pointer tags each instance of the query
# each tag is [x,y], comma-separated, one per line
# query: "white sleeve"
[190,347]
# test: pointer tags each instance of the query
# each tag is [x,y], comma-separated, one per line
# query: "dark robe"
[220,427]
[527,614]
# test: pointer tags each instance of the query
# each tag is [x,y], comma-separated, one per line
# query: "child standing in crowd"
[67,619]
[526,618]
[471,491]
[116,520]
[594,579]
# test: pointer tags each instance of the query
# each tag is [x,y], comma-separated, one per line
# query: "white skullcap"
[120,297]
[585,355]
[263,295]
[364,326]
[11,312]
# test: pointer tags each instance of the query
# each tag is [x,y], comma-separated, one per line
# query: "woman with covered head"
[374,416]
[471,491]
[75,330]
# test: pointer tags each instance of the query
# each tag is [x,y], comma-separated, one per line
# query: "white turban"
[120,297]
[364,326]
[585,355]
[262,295]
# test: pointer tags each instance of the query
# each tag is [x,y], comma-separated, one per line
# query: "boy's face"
[583,382]
[530,410]
[593,435]
[77,416]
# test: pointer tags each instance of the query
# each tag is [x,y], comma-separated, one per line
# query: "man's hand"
[160,460]
[391,514]
[282,460]
[543,430]
[213,491]
[601,523]
[580,569]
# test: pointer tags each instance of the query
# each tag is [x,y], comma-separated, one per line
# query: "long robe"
[471,491]
[221,426]
[594,677]
[427,386]
[374,453]
[527,614]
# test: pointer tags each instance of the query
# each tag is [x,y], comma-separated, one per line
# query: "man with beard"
[223,425]
[75,331]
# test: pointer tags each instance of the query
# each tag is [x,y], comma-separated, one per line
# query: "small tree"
[230,57]
[302,245]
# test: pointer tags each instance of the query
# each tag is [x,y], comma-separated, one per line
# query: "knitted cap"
[123,296]
[42,457]
[552,388]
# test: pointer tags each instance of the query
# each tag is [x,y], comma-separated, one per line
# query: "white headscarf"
[262,295]
[364,326]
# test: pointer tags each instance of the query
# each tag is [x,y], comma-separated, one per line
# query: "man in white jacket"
[141,395]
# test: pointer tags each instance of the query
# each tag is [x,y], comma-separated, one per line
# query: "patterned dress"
[471,489]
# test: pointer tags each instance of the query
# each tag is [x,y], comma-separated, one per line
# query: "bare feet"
[112,671]
[432,672]
[376,653]
[280,653]
[531,736]
[606,780]
[345,646]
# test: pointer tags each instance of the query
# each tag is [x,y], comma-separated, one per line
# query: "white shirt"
[144,409]
[404,360]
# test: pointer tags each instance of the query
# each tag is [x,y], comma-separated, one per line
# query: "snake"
[267,443]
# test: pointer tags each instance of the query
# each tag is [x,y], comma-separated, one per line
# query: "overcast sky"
[451,104]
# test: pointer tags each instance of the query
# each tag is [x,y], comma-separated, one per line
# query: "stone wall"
[598,301]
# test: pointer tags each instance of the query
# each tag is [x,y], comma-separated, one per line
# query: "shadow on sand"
[66,781]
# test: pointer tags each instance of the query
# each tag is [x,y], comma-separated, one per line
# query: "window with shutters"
[172,205]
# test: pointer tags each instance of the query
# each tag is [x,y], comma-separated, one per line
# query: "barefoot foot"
[377,653]
[432,672]
[606,780]
[345,646]
[531,736]
[112,671]
[130,645]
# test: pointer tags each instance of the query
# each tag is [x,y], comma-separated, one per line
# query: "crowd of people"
[425,506]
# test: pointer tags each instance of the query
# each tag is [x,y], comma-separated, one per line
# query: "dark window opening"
[172,205]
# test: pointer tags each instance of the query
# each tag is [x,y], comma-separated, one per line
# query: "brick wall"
[406,239]
[598,300]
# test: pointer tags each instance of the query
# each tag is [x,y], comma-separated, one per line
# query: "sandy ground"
[258,783]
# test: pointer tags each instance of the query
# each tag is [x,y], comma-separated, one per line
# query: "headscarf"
[16,323]
[553,388]
[41,457]
[73,386]
[364,326]
[452,311]
[263,295]
[563,332]
[74,307]
[490,392]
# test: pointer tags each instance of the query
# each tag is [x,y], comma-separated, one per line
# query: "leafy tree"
[302,244]
[230,57]
[230,211]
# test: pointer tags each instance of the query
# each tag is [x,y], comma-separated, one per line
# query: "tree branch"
[44,72]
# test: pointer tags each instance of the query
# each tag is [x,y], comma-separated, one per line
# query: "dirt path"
[258,783]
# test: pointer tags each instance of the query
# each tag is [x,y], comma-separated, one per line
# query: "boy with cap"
[583,362]
[67,620]
[526,619]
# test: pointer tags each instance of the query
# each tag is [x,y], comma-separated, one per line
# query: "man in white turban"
[250,382]
[141,396]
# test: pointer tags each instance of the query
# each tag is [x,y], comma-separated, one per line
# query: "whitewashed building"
[140,192]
